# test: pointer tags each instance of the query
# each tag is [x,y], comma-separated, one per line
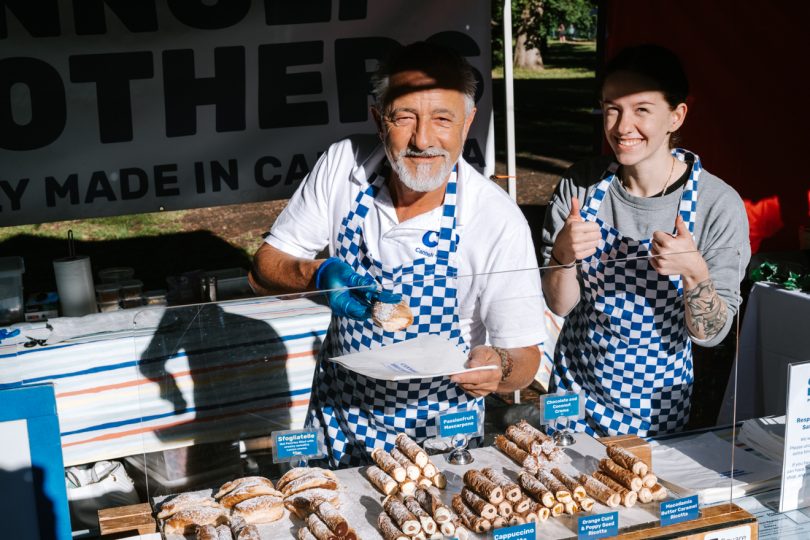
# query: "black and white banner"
[112,107]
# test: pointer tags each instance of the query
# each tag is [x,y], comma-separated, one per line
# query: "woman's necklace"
[666,183]
[669,176]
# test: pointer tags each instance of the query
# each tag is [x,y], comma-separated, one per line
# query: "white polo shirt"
[500,301]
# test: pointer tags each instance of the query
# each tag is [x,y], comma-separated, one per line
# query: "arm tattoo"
[706,312]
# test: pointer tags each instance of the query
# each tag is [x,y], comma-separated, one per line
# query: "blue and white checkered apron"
[360,413]
[626,344]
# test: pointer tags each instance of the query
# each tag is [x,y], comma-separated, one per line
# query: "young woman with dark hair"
[646,250]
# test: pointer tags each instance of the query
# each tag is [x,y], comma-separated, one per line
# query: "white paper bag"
[104,485]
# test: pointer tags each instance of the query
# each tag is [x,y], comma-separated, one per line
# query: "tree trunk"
[527,55]
[526,58]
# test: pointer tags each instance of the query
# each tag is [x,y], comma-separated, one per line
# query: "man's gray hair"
[450,70]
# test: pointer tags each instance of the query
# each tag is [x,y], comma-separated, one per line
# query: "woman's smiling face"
[637,118]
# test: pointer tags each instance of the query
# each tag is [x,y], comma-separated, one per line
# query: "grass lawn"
[571,60]
[105,228]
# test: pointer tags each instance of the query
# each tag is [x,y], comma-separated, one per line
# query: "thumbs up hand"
[574,214]
[577,239]
[677,254]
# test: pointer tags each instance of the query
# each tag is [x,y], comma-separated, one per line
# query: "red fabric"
[764,220]
[748,111]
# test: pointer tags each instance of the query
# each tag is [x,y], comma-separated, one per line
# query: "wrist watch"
[506,362]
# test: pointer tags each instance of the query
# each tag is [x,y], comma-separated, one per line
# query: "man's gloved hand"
[337,276]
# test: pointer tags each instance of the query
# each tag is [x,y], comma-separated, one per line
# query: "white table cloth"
[775,332]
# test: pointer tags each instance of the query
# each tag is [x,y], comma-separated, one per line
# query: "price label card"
[684,509]
[743,532]
[527,531]
[297,444]
[463,423]
[598,526]
[563,405]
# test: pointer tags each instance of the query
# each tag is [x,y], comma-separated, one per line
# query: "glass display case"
[187,398]
[218,379]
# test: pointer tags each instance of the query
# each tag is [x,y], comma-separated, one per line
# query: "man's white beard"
[422,181]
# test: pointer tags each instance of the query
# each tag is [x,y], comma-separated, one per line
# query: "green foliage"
[580,13]
[106,228]
[540,19]
[791,277]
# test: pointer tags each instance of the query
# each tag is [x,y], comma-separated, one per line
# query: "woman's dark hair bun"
[656,63]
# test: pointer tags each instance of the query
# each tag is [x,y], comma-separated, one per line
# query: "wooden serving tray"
[132,519]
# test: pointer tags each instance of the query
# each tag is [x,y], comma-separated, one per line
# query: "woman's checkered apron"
[360,413]
[626,344]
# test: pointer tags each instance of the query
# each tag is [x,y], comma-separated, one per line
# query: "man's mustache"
[428,152]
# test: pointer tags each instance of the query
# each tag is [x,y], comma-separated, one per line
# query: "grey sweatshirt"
[721,228]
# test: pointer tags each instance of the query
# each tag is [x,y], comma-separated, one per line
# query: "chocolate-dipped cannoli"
[519,456]
[482,507]
[524,440]
[628,496]
[659,492]
[389,529]
[511,491]
[389,465]
[402,517]
[319,529]
[381,480]
[620,474]
[537,489]
[599,491]
[414,452]
[645,495]
[412,470]
[483,486]
[561,492]
[627,459]
[431,501]
[649,480]
[577,491]
[523,505]
[469,518]
[425,519]
[333,519]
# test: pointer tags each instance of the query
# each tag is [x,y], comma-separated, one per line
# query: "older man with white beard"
[406,218]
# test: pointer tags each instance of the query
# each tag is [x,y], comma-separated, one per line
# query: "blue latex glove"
[337,275]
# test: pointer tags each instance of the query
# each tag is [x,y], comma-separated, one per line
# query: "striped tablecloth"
[177,376]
